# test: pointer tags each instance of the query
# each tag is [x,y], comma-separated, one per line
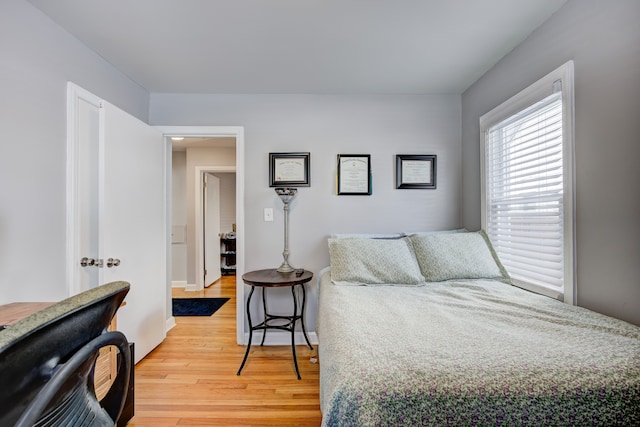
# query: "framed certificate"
[415,171]
[354,174]
[289,170]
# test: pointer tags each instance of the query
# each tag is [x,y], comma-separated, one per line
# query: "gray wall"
[37,58]
[326,126]
[603,39]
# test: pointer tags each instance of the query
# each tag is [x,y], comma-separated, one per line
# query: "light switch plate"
[268,214]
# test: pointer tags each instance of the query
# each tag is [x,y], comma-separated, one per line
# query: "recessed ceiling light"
[177,138]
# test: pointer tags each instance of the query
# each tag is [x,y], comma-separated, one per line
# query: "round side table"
[271,278]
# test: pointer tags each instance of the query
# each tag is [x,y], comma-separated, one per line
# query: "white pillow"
[364,261]
[447,256]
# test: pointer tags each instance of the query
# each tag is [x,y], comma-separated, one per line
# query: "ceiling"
[301,46]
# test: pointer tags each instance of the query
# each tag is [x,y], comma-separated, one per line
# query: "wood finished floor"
[190,379]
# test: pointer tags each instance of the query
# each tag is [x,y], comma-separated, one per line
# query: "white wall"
[182,207]
[227,201]
[37,58]
[200,156]
[380,125]
[179,216]
[603,39]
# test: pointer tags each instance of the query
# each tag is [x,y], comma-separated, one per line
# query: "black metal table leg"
[304,329]
[293,330]
[266,317]
[246,354]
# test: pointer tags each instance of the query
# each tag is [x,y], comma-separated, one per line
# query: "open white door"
[132,223]
[211,217]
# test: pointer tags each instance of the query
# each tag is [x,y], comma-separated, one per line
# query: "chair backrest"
[47,362]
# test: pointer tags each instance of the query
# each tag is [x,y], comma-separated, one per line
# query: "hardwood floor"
[190,379]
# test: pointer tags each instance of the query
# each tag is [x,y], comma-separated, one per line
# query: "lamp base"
[285,268]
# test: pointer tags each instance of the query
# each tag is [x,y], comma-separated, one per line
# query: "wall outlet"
[268,214]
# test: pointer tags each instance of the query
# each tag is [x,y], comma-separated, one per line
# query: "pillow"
[361,261]
[424,233]
[446,256]
[368,235]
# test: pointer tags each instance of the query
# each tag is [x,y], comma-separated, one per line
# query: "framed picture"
[289,170]
[354,174]
[415,171]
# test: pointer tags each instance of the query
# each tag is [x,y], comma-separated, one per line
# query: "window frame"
[514,105]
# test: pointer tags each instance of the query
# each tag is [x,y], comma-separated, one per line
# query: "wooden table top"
[273,278]
[11,313]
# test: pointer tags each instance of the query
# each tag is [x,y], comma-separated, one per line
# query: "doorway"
[208,235]
[236,133]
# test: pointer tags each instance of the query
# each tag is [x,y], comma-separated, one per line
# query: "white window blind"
[527,190]
[524,190]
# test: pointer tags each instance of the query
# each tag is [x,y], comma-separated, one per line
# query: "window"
[527,184]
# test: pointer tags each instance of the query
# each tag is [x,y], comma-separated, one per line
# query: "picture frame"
[354,175]
[416,171]
[289,169]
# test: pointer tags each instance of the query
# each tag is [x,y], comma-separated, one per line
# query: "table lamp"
[286,195]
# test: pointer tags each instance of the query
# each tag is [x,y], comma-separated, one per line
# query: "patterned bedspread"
[471,353]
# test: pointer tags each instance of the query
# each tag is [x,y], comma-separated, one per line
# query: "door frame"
[236,132]
[200,171]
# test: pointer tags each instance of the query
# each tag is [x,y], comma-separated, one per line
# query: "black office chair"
[47,363]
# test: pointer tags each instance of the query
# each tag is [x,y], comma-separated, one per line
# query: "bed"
[427,330]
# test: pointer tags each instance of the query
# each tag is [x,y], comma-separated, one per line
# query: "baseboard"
[281,338]
[170,323]
[184,285]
